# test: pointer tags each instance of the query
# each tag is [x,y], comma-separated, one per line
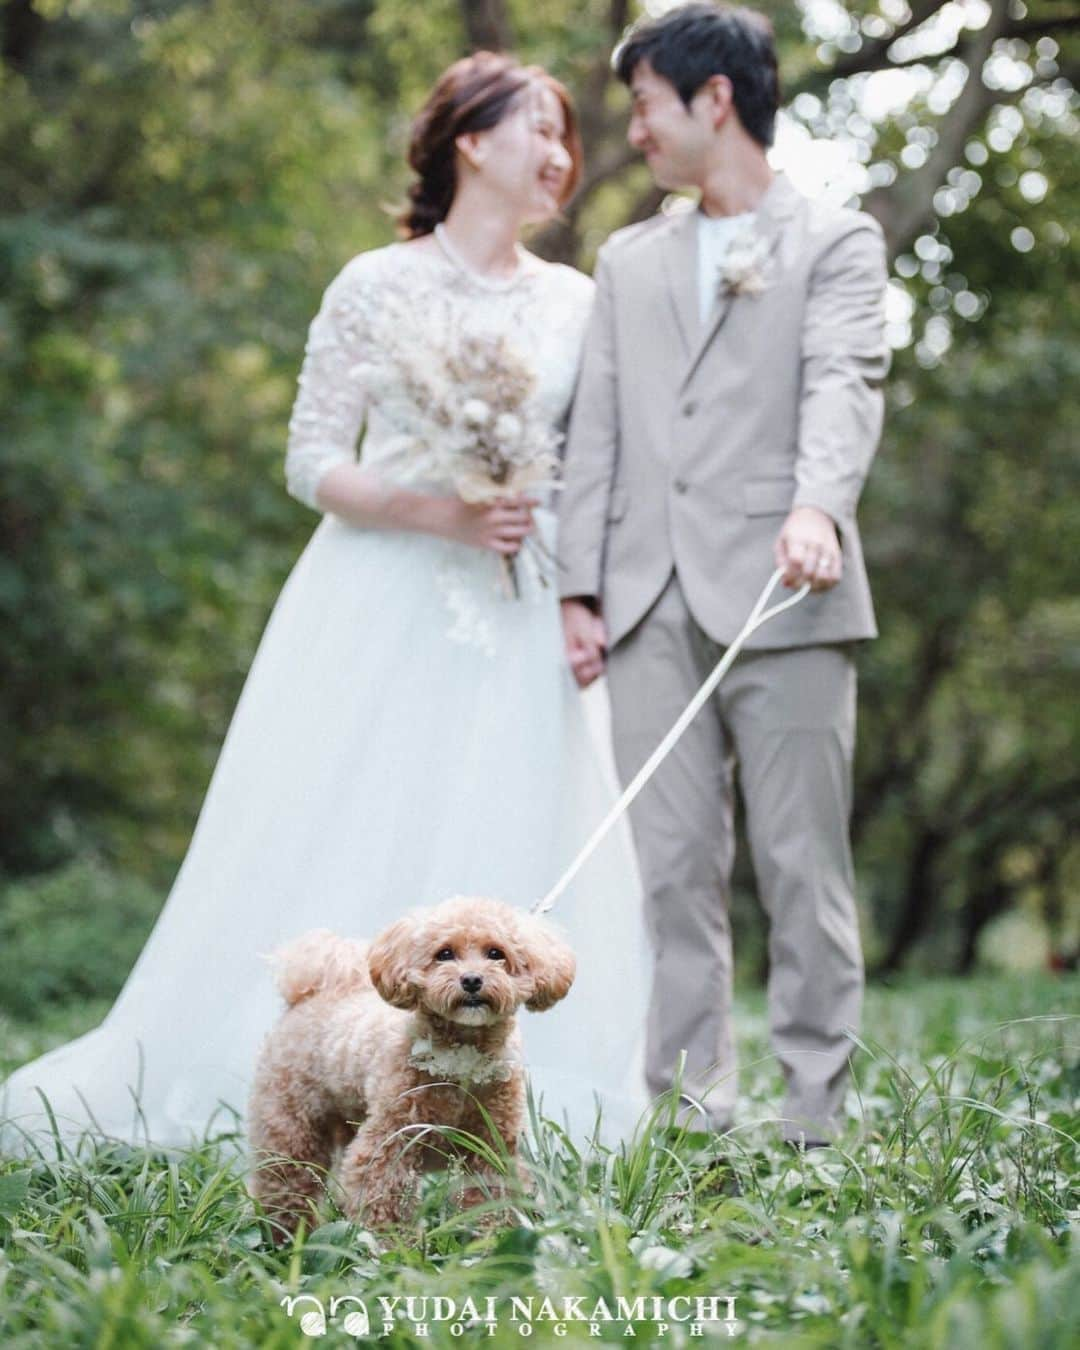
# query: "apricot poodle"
[383,1046]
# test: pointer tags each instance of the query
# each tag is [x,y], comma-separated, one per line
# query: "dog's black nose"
[472,984]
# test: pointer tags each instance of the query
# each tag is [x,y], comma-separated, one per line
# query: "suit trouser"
[787,718]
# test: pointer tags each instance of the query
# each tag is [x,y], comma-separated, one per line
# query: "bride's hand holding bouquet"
[502,525]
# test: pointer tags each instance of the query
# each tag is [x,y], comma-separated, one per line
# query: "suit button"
[689,409]
[680,485]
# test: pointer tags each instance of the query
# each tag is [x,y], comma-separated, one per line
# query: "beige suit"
[688,446]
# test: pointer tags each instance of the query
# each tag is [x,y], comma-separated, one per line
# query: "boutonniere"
[743,270]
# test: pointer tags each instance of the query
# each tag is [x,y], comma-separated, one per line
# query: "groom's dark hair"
[689,44]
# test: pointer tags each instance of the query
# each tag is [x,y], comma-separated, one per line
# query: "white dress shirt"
[715,234]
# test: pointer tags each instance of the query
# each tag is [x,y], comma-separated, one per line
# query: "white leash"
[758,615]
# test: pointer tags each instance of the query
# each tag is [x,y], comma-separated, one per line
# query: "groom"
[728,410]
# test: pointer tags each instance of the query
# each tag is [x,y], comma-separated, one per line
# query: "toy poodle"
[382,1047]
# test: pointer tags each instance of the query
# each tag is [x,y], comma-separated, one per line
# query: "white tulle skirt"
[407,732]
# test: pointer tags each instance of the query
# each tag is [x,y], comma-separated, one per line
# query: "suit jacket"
[688,444]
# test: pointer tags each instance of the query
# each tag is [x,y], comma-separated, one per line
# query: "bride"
[408,730]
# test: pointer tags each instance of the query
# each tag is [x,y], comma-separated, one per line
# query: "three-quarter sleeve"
[330,402]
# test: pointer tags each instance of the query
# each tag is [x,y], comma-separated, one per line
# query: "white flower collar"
[460,1063]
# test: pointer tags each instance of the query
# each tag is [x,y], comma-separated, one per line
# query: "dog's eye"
[444,954]
[496,954]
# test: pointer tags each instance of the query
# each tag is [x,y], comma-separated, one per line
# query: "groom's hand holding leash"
[808,550]
[586,641]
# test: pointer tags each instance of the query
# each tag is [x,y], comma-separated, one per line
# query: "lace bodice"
[403,299]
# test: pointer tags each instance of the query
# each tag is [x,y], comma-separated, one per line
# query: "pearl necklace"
[495,284]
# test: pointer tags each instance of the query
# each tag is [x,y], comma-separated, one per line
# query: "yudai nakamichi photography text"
[575,1317]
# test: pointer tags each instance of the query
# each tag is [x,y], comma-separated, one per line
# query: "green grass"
[943,1220]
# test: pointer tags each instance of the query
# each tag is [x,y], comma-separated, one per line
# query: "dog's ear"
[390,964]
[551,967]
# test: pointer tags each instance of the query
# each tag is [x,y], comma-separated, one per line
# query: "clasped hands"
[807,551]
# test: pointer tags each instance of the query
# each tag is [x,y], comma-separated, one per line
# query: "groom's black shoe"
[683,1141]
[716,1179]
[697,1141]
[711,1171]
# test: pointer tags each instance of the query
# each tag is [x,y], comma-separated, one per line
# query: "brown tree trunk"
[22,27]
[487,25]
[918,901]
[906,208]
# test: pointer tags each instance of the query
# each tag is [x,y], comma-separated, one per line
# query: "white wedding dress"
[407,732]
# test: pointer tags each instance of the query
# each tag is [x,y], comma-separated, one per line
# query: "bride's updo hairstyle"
[475,94]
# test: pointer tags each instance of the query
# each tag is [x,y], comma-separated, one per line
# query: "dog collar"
[460,1063]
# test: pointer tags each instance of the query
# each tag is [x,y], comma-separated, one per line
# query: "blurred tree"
[971,57]
[971,731]
[179,182]
[180,178]
[487,25]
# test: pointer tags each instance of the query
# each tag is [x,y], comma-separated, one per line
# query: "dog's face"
[471,961]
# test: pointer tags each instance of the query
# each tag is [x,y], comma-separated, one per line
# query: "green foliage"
[179,182]
[941,1220]
[70,935]
[969,793]
[179,198]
